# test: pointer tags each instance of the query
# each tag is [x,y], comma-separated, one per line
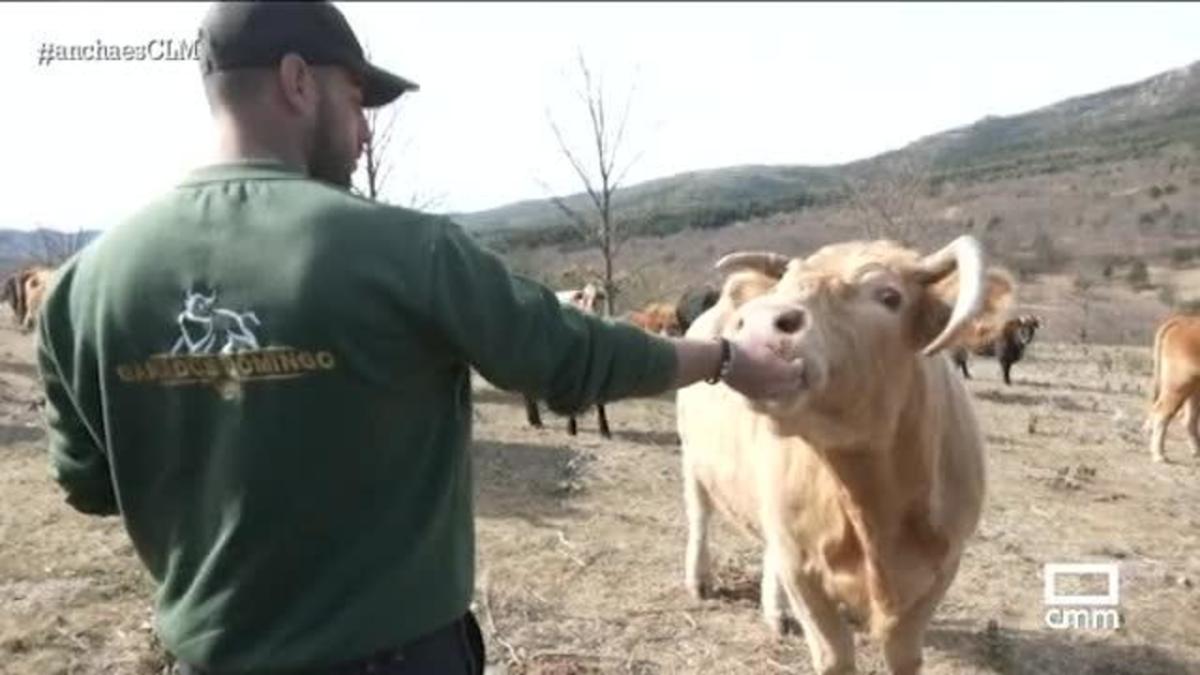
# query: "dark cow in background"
[588,299]
[693,303]
[1008,346]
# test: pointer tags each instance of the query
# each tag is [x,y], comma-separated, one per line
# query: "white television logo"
[1088,612]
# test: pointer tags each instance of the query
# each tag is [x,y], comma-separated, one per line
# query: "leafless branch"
[575,163]
[888,198]
[606,174]
[576,220]
[425,201]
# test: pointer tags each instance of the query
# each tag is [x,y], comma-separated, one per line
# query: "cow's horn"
[771,264]
[965,255]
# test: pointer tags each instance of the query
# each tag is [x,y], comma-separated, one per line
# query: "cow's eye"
[889,297]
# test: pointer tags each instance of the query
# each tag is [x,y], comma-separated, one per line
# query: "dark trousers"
[454,649]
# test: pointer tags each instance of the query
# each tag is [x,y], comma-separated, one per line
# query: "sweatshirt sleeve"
[79,464]
[519,337]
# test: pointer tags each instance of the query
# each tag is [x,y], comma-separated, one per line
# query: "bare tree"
[888,197]
[425,200]
[602,173]
[54,247]
[1083,286]
[381,122]
[377,162]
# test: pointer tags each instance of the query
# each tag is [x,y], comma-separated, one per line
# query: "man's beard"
[325,163]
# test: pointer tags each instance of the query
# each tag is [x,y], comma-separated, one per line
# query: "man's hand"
[756,371]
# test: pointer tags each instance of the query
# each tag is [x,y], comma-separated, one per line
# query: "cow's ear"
[937,304]
[745,285]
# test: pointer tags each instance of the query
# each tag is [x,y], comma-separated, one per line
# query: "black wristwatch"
[726,361]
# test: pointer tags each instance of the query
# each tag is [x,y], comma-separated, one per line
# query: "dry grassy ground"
[581,542]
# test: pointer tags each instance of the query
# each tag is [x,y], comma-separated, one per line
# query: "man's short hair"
[237,86]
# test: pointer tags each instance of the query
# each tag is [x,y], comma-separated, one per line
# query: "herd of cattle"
[865,486]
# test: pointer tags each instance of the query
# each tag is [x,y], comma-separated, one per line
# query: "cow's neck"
[885,489]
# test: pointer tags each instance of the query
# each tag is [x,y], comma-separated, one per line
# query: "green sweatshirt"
[268,379]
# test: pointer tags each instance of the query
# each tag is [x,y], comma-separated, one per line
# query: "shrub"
[1166,295]
[1139,275]
[1047,256]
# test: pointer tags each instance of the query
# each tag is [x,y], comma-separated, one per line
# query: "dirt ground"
[581,542]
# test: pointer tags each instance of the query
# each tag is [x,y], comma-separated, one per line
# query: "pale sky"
[715,85]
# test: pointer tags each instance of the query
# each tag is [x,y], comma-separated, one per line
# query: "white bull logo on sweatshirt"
[204,327]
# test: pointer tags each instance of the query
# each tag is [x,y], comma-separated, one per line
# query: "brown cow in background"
[1176,381]
[24,292]
[659,318]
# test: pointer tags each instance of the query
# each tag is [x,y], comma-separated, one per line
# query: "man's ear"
[298,83]
[937,303]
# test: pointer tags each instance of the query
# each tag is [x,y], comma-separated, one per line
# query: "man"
[268,378]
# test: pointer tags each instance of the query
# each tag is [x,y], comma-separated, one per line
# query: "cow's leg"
[904,641]
[1192,418]
[698,505]
[773,599]
[959,356]
[1165,407]
[1005,367]
[531,413]
[830,641]
[572,428]
[603,421]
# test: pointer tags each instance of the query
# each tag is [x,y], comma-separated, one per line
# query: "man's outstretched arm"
[519,337]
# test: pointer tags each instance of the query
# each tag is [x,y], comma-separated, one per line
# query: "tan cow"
[865,487]
[1176,381]
[24,292]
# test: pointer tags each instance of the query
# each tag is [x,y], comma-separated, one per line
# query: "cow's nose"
[790,321]
[767,321]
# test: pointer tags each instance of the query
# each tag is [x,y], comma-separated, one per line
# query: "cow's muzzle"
[776,326]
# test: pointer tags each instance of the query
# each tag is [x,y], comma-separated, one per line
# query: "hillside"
[20,247]
[1125,122]
[1140,123]
[698,199]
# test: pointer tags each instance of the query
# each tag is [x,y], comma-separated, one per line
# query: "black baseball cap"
[258,34]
